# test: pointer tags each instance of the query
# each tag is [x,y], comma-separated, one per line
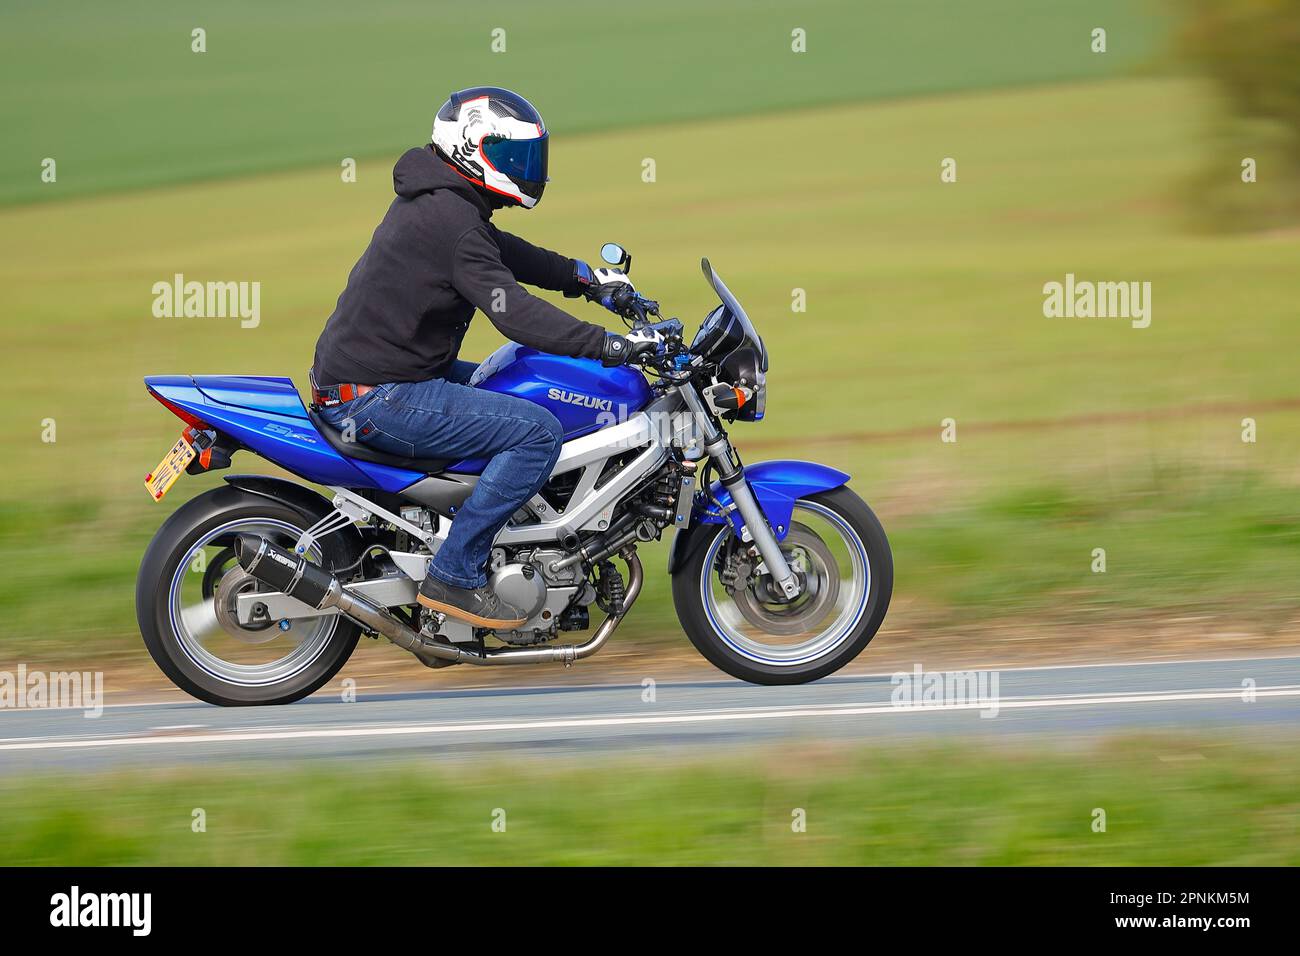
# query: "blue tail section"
[266,414]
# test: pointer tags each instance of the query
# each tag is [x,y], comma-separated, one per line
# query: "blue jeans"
[444,418]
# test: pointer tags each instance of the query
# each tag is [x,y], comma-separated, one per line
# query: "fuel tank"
[581,393]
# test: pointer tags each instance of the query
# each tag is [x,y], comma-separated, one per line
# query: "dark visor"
[523,160]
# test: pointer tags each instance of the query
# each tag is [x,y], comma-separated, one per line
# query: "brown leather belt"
[337,394]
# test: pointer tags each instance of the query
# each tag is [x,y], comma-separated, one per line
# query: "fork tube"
[718,447]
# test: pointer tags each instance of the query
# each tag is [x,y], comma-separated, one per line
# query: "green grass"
[114,94]
[1173,801]
[924,302]
[1186,540]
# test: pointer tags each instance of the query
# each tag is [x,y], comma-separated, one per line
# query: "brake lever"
[638,308]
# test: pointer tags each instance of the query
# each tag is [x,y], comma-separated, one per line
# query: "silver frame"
[666,423]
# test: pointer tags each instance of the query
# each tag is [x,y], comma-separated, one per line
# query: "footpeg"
[431,623]
[432,635]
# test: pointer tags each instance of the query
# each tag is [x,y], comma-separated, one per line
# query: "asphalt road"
[684,716]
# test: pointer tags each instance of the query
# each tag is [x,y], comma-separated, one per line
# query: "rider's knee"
[549,432]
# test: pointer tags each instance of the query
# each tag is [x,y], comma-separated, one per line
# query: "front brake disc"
[809,556]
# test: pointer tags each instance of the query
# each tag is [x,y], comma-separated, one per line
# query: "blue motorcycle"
[257,591]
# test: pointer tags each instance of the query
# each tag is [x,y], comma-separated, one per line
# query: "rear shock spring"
[610,590]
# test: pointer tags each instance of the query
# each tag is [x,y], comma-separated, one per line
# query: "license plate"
[158,481]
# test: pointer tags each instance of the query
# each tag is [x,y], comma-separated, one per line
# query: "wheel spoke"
[201,620]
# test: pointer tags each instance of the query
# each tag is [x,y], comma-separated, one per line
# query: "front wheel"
[731,611]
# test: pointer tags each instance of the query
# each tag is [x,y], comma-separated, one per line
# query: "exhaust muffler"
[313,585]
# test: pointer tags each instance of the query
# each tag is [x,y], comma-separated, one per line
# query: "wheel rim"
[210,636]
[832,561]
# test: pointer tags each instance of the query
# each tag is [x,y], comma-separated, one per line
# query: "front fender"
[776,484]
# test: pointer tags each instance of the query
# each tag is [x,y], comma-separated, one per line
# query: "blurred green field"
[923,298]
[1168,801]
[924,302]
[816,173]
[114,94]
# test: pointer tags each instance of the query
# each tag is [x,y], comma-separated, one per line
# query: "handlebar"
[671,332]
[633,306]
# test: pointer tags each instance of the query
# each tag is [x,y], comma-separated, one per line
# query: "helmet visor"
[523,160]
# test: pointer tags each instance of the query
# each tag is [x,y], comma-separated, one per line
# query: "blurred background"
[817,171]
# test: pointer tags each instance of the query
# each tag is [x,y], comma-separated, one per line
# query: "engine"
[552,599]
[553,587]
[521,586]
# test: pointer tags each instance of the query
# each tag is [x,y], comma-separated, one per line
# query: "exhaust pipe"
[313,585]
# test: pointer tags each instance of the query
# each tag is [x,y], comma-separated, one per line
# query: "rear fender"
[311,504]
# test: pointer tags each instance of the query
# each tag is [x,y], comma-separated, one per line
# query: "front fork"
[718,447]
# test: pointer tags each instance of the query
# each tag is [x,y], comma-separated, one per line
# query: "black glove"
[609,287]
[623,349]
[615,296]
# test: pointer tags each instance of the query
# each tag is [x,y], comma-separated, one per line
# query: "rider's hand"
[610,288]
[624,349]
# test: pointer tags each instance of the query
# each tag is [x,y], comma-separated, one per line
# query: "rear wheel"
[187,603]
[732,613]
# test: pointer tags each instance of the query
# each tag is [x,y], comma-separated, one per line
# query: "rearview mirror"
[616,255]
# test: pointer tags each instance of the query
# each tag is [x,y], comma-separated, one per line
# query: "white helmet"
[495,139]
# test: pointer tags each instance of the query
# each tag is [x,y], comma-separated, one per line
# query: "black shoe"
[479,606]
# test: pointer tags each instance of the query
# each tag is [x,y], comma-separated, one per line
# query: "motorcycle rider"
[386,364]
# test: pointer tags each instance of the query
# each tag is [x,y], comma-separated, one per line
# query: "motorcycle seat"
[355,449]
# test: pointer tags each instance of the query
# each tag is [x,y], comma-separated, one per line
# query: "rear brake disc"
[233,583]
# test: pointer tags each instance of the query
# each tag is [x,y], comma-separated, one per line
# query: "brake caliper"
[736,570]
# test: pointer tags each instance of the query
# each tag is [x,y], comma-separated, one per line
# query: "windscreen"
[734,307]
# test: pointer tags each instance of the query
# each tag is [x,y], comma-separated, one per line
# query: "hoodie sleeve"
[479,274]
[534,265]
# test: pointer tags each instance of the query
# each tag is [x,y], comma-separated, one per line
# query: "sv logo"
[287,432]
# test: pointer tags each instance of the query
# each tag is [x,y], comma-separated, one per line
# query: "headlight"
[736,402]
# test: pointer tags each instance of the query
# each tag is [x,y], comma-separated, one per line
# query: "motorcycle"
[257,591]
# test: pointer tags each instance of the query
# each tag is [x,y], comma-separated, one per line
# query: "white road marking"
[328,692]
[568,723]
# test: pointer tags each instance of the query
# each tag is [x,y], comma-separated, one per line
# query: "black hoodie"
[433,260]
